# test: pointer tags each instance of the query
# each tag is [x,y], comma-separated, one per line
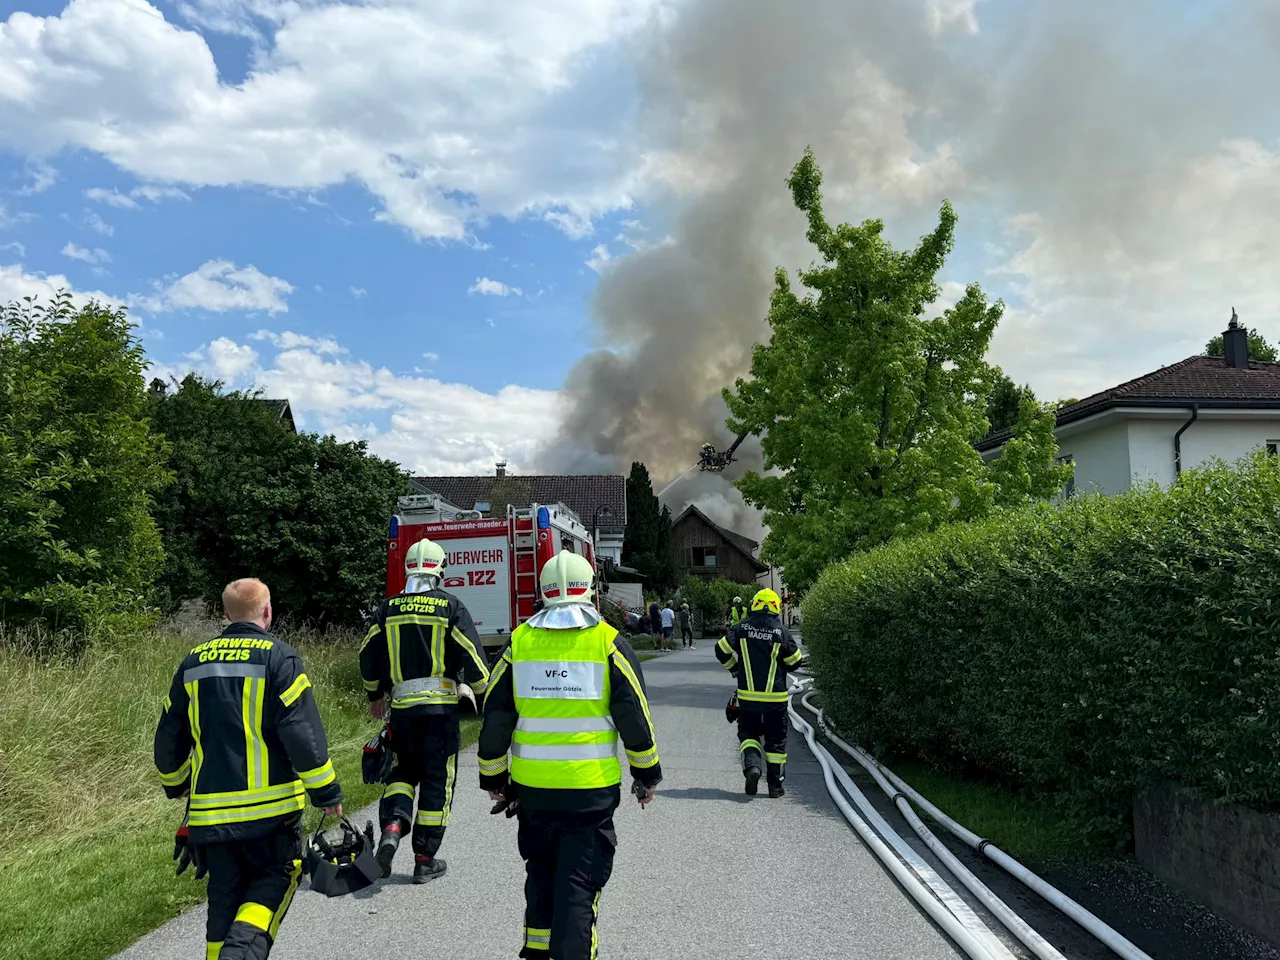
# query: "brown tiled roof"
[1205,381]
[581,494]
[736,540]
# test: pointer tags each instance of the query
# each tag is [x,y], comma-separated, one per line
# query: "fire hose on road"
[903,796]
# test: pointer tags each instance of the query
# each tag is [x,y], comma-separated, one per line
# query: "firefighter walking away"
[760,652]
[420,643]
[241,737]
[566,688]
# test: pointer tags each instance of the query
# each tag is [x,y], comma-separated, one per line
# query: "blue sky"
[396,214]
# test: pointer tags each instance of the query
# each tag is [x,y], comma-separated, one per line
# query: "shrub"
[1082,651]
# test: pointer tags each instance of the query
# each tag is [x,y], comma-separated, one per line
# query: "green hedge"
[1079,652]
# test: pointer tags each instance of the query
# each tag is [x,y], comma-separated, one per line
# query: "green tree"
[1004,403]
[867,409]
[1259,349]
[78,467]
[646,541]
[305,513]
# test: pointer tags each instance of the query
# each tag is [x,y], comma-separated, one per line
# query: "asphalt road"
[704,872]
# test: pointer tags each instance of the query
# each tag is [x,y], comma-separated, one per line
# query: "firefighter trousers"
[425,747]
[762,735]
[568,859]
[251,884]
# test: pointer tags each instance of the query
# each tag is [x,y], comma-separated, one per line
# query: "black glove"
[731,709]
[186,853]
[509,804]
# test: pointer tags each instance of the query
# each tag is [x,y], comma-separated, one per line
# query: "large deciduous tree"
[867,407]
[305,513]
[78,467]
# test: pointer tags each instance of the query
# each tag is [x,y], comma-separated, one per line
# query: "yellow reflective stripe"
[211,818]
[211,949]
[256,915]
[295,690]
[168,704]
[321,776]
[430,818]
[462,640]
[439,626]
[427,696]
[643,758]
[492,768]
[621,662]
[773,667]
[794,658]
[373,632]
[748,745]
[760,696]
[776,757]
[255,748]
[724,645]
[291,789]
[498,671]
[731,663]
[193,720]
[398,789]
[372,685]
[595,917]
[746,663]
[295,876]
[176,778]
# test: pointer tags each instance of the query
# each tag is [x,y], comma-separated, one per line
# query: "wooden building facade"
[709,551]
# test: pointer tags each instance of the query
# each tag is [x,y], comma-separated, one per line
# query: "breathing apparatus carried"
[340,860]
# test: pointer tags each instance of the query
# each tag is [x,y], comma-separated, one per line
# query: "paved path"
[704,872]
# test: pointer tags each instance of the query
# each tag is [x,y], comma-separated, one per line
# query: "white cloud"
[358,292]
[16,247]
[97,256]
[447,113]
[112,198]
[492,288]
[428,425]
[40,177]
[97,224]
[600,258]
[943,15]
[433,357]
[16,283]
[219,286]
[129,201]
[288,340]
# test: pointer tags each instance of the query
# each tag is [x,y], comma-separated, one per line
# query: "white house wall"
[1101,457]
[1151,449]
[1227,440]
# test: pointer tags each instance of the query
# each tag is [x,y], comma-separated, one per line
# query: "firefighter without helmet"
[424,559]
[567,578]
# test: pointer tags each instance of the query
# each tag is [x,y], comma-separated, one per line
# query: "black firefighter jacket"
[241,731]
[760,652]
[418,644]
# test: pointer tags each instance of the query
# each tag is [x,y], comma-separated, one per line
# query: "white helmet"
[424,559]
[737,599]
[567,578]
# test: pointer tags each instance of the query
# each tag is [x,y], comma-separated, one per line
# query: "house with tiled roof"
[599,501]
[1162,423]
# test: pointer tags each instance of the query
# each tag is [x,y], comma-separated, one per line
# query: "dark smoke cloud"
[1082,117]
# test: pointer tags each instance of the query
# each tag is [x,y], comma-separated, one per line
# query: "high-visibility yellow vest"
[564,738]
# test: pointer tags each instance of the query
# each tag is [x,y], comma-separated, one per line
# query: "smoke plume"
[1103,144]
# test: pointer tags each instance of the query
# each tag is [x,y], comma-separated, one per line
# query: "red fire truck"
[492,563]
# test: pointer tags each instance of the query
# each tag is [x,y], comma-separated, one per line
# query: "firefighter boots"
[387,847]
[753,780]
[426,869]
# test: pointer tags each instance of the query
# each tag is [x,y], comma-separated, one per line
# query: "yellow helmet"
[566,578]
[766,599]
[424,559]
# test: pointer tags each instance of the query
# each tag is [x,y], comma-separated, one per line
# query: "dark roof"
[281,408]
[1204,381]
[581,494]
[736,540]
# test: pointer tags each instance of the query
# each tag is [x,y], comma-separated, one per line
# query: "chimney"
[502,468]
[1235,344]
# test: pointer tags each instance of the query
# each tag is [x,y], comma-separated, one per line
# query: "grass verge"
[1021,826]
[86,833]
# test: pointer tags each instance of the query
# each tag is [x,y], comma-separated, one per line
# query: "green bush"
[1081,652]
[78,471]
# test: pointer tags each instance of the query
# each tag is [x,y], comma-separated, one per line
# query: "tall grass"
[85,830]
